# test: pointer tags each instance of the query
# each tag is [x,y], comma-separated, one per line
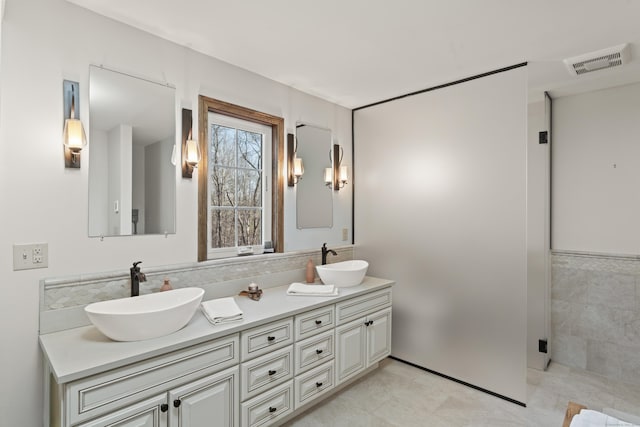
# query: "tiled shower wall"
[62,300]
[595,314]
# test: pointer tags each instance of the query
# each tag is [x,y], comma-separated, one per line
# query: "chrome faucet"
[136,277]
[325,252]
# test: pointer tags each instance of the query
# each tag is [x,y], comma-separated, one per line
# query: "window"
[240,183]
[239,212]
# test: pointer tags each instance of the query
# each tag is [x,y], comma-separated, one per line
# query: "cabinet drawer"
[362,305]
[264,339]
[314,384]
[314,322]
[264,372]
[104,393]
[314,351]
[269,407]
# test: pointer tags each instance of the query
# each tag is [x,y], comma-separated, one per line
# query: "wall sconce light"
[295,168]
[73,137]
[191,154]
[336,176]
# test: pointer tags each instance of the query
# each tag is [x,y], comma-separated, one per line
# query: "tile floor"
[397,394]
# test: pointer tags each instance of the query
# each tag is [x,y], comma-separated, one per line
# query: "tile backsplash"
[62,299]
[595,313]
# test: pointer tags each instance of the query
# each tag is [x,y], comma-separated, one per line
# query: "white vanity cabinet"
[210,401]
[363,336]
[151,392]
[287,354]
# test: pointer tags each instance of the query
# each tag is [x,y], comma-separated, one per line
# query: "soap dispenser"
[166,285]
[311,277]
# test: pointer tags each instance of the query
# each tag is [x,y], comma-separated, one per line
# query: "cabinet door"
[148,413]
[351,353]
[211,401]
[378,336]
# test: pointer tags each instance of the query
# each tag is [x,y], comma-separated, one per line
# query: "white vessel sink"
[343,274]
[146,316]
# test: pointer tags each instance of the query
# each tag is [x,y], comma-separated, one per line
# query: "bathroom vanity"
[288,353]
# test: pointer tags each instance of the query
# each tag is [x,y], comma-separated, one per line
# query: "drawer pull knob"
[271,338]
[272,372]
[319,351]
[164,407]
[369,323]
[318,322]
[272,409]
[318,384]
[176,403]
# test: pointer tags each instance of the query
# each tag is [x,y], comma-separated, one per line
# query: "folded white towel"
[622,416]
[312,290]
[221,310]
[588,418]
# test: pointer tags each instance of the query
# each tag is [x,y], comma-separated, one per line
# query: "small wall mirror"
[314,199]
[132,180]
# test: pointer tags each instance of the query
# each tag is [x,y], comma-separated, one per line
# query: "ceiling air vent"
[599,60]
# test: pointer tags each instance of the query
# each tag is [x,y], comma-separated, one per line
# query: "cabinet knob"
[164,407]
[319,351]
[176,403]
[271,372]
[318,384]
[318,322]
[271,338]
[369,323]
[272,409]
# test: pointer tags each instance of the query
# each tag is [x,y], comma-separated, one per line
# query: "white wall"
[440,207]
[596,171]
[43,43]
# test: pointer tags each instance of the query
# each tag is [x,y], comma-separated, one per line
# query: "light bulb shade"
[344,175]
[328,176]
[298,167]
[74,137]
[192,153]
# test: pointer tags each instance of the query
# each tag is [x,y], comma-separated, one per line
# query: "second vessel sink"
[343,274]
[146,316]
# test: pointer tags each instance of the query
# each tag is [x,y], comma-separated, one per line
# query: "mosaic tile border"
[593,261]
[73,291]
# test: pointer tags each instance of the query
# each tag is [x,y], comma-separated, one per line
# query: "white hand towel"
[312,290]
[588,418]
[221,310]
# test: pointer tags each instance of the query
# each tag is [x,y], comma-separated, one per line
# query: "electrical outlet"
[345,234]
[29,256]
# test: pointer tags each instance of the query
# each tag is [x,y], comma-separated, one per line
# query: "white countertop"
[80,352]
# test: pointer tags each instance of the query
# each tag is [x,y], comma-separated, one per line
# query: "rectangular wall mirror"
[132,180]
[314,199]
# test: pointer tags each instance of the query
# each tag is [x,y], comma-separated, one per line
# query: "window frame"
[265,208]
[209,105]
